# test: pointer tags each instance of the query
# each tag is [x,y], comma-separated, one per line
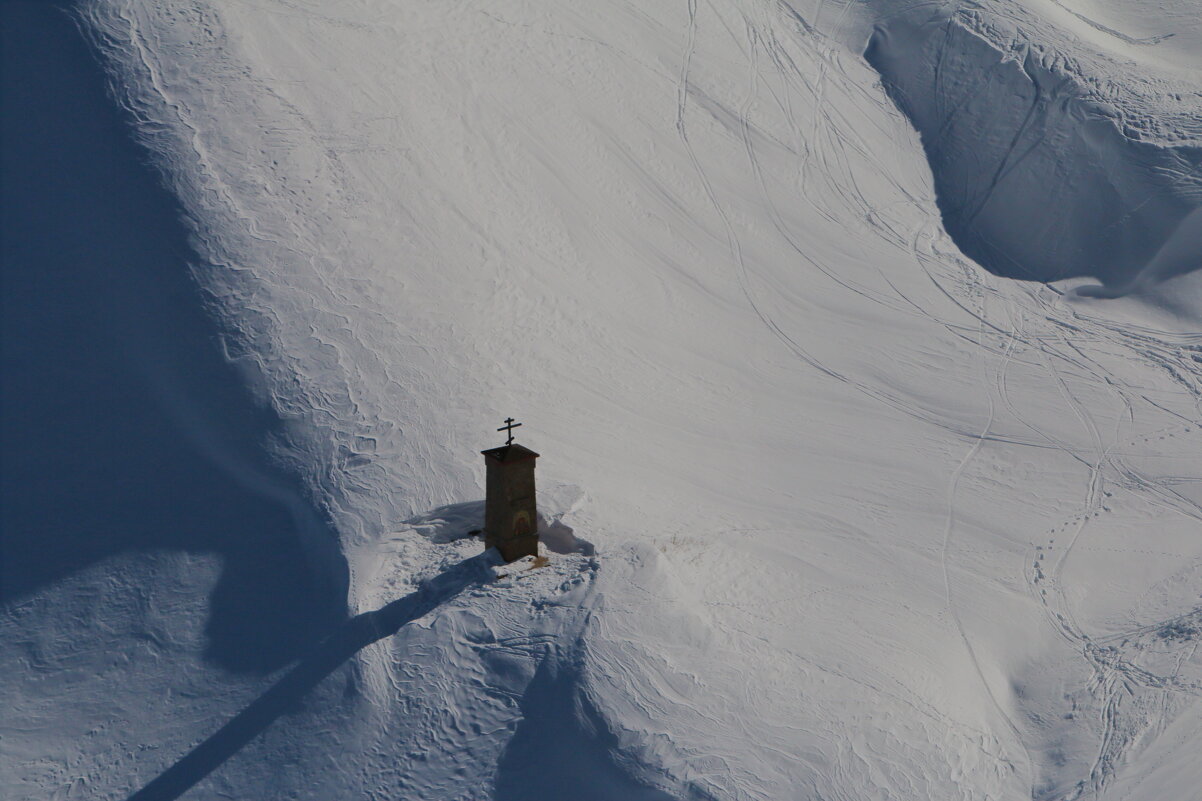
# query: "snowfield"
[862,343]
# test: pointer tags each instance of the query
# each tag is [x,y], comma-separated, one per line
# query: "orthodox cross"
[508,429]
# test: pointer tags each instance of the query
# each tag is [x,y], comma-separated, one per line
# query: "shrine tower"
[510,513]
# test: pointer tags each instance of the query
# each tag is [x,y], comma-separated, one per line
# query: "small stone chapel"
[510,513]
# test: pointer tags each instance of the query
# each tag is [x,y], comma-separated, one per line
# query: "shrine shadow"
[285,695]
[125,430]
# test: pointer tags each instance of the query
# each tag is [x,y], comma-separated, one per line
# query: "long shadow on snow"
[124,428]
[284,696]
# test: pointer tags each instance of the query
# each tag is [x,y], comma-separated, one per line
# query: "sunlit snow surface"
[871,522]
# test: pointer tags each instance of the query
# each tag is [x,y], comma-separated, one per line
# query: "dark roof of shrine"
[507,454]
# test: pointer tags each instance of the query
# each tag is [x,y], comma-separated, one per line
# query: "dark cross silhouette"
[509,427]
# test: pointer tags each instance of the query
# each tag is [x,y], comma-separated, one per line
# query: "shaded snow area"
[1055,168]
[862,343]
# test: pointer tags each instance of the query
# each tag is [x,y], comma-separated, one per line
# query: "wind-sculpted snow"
[839,514]
[1043,172]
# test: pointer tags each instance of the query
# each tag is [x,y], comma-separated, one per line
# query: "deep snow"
[870,521]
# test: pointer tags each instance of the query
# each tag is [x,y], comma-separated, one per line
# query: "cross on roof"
[508,428]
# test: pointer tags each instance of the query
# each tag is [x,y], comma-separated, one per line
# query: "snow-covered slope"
[870,521]
[1059,168]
